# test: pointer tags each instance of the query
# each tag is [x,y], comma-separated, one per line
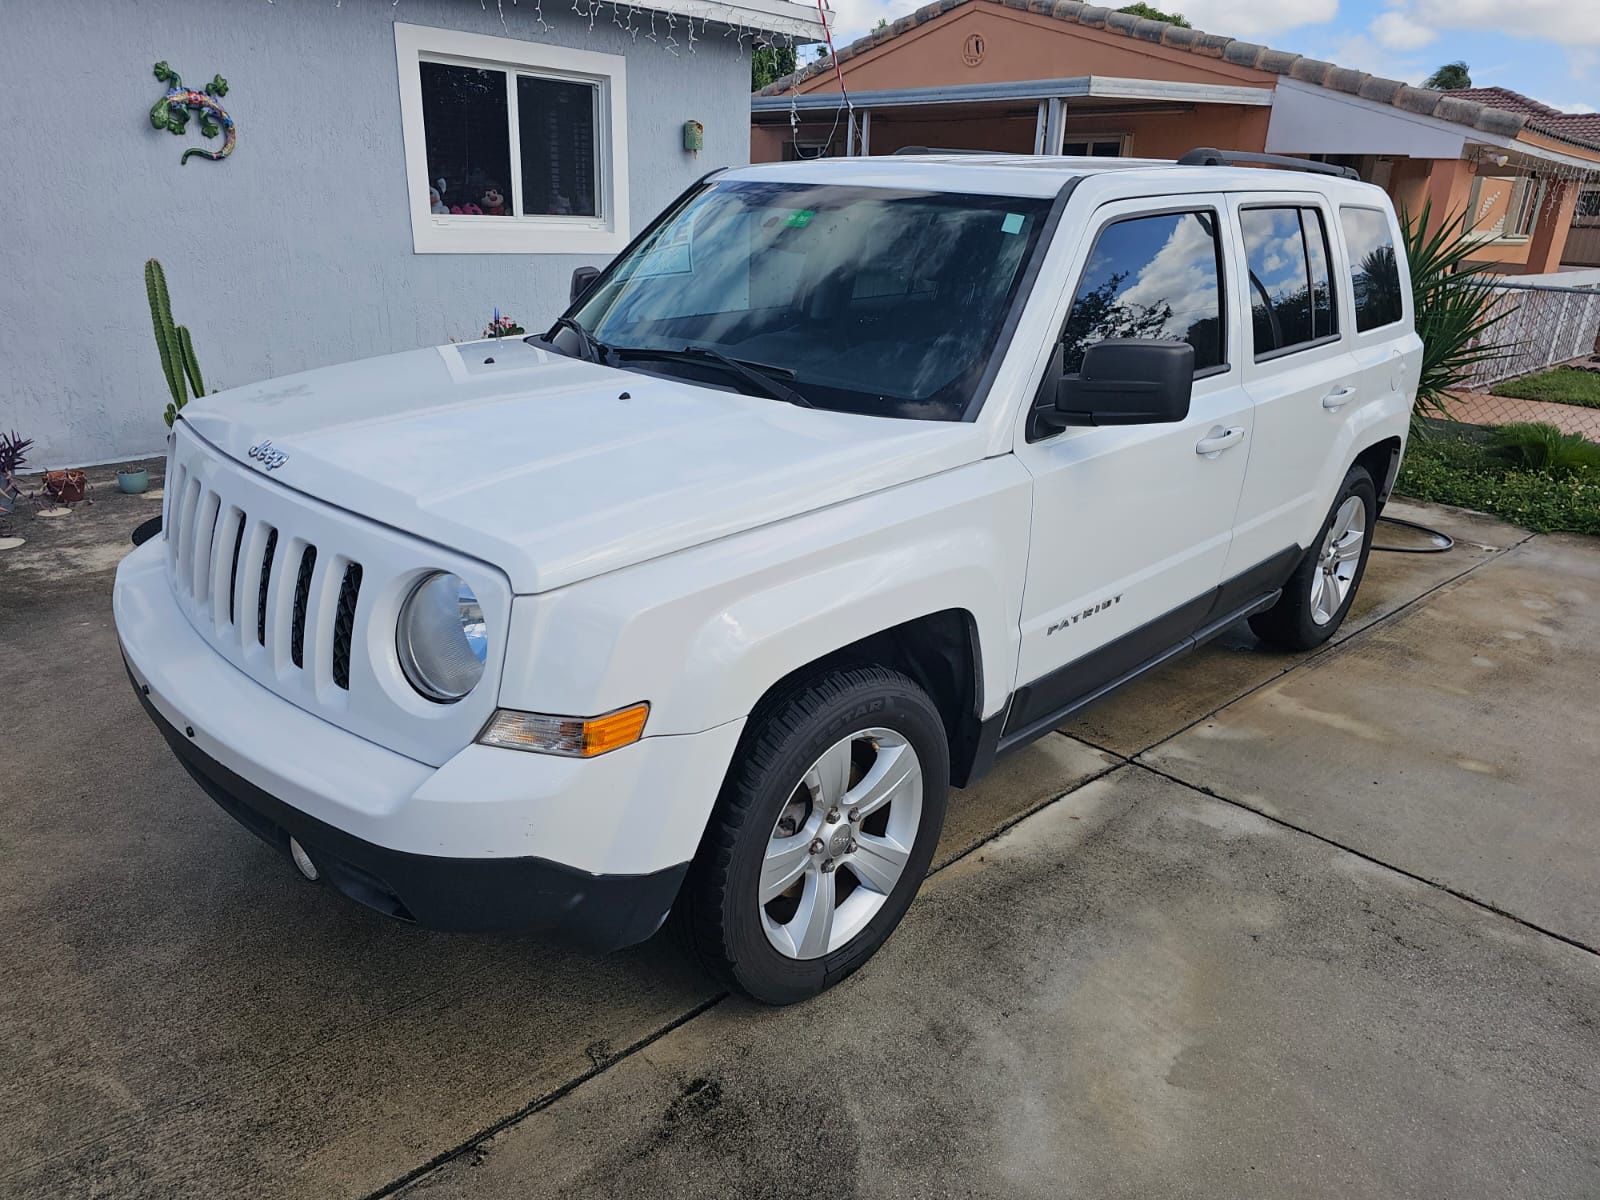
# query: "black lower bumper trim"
[595,912]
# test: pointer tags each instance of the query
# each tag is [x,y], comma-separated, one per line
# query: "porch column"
[1448,190]
[1551,227]
[1055,126]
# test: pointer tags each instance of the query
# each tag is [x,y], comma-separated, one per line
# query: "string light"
[735,27]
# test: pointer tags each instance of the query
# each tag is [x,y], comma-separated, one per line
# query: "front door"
[1132,524]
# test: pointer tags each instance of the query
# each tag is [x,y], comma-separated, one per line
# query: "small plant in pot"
[65,488]
[133,480]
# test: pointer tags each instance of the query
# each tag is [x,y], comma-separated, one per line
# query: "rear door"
[1132,524]
[1299,372]
[1377,309]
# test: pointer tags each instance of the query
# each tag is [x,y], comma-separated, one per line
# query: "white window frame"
[1522,185]
[435,233]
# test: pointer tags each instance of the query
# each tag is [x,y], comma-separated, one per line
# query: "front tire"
[823,832]
[1323,586]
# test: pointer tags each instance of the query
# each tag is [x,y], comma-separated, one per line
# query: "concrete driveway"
[1260,926]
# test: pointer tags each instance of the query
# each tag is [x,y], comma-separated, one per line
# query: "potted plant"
[503,325]
[13,453]
[66,486]
[133,480]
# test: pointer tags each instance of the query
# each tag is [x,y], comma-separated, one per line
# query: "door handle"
[1338,398]
[1218,440]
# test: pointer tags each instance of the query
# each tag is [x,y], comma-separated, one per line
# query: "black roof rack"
[1209,156]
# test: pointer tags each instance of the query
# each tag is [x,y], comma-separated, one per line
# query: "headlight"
[442,638]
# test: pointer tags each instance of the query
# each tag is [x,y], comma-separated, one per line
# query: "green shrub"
[1464,468]
[1453,299]
[1540,446]
[1562,385]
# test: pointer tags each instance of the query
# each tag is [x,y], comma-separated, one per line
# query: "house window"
[1588,210]
[1504,206]
[512,147]
[1093,147]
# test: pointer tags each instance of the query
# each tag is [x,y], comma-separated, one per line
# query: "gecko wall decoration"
[171,112]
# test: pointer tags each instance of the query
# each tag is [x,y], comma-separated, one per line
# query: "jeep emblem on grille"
[268,457]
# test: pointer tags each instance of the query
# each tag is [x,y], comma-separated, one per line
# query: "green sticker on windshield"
[800,218]
[1012,223]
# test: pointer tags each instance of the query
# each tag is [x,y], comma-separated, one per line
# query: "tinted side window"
[1291,289]
[1324,312]
[1374,273]
[1151,277]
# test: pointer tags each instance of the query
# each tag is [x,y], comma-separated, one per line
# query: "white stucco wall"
[294,252]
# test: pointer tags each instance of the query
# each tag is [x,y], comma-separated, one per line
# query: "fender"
[703,634]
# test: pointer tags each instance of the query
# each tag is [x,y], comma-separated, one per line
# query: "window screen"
[556,134]
[1374,273]
[467,127]
[1151,277]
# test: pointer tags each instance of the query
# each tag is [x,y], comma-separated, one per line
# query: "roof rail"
[939,150]
[1208,156]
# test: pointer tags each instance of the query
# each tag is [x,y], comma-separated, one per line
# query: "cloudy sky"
[1549,49]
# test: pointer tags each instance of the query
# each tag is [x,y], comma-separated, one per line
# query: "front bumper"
[599,912]
[586,851]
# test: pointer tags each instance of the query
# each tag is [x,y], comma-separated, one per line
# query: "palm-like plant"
[1454,301]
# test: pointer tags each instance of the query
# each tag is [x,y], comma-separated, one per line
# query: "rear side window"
[1374,273]
[1151,277]
[1291,287]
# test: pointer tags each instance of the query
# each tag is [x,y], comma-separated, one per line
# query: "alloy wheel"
[1338,560]
[841,843]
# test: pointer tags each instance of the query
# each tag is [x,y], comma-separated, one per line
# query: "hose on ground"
[1441,541]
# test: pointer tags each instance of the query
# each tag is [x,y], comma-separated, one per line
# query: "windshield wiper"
[762,377]
[592,348]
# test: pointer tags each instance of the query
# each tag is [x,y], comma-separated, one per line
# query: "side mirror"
[1124,381]
[582,279]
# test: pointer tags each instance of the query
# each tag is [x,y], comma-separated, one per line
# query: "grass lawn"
[1454,465]
[1559,385]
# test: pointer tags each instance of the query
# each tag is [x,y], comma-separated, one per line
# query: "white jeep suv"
[844,479]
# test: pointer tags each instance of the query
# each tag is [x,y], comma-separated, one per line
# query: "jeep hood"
[553,469]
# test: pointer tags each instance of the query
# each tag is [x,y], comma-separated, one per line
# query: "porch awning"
[1103,87]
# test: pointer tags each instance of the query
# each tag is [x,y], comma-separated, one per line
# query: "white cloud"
[1395,30]
[855,18]
[1254,18]
[1362,53]
[1560,20]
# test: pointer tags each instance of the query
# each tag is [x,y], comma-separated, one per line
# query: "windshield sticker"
[1012,223]
[800,218]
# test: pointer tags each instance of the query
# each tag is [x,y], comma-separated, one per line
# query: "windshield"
[865,300]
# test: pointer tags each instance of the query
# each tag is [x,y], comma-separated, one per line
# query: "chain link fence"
[1544,326]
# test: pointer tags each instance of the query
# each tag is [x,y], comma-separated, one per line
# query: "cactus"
[178,362]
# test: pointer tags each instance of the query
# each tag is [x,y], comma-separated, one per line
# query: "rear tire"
[1319,593]
[821,836]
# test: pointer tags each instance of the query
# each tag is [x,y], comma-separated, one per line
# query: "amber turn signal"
[572,737]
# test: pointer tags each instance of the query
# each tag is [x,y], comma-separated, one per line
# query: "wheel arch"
[1381,460]
[939,651]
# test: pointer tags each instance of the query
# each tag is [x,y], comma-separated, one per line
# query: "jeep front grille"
[213,550]
[302,597]
[344,622]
